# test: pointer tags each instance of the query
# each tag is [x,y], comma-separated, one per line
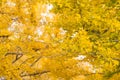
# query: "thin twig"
[36,61]
[18,56]
[26,60]
[11,53]
[92,74]
[34,74]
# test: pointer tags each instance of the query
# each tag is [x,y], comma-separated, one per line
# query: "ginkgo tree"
[59,39]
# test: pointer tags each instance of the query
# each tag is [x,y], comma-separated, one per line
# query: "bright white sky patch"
[74,34]
[29,37]
[87,66]
[49,7]
[62,31]
[11,4]
[2,78]
[16,27]
[80,57]
[39,31]
[50,15]
[47,14]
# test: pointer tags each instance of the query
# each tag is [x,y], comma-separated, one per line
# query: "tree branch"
[118,59]
[36,61]
[92,74]
[34,74]
[18,55]
[26,60]
[11,53]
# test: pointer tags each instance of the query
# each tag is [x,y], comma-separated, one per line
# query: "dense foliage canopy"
[60,39]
